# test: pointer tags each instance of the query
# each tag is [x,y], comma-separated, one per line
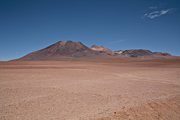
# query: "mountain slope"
[71,49]
[61,49]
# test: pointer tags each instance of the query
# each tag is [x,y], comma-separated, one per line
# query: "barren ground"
[90,90]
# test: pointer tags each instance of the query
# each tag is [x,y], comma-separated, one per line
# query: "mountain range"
[71,49]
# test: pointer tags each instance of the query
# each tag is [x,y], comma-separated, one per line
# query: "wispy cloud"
[158,13]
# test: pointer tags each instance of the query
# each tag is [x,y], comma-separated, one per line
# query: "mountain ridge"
[72,49]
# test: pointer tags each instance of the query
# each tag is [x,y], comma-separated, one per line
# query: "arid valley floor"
[90,90]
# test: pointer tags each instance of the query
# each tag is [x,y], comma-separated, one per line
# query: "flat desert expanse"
[90,90]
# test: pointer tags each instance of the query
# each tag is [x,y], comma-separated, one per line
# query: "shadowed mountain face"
[136,53]
[70,49]
[61,49]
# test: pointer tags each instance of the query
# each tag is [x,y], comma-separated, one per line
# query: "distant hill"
[102,49]
[71,49]
[137,52]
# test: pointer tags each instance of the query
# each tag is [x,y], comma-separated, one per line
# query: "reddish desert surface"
[114,89]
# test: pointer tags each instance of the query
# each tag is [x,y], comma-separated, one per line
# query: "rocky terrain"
[90,89]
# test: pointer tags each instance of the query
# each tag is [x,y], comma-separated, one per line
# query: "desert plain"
[112,89]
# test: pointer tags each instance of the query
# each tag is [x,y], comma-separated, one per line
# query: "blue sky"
[29,25]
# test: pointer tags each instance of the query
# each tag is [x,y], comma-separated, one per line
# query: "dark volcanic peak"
[61,49]
[66,47]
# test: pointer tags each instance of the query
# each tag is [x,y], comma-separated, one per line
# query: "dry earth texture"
[112,89]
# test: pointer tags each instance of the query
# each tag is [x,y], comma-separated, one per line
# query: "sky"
[29,25]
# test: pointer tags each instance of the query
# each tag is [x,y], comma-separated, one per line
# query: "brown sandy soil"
[111,89]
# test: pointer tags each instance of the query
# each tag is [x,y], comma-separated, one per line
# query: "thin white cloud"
[157,13]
